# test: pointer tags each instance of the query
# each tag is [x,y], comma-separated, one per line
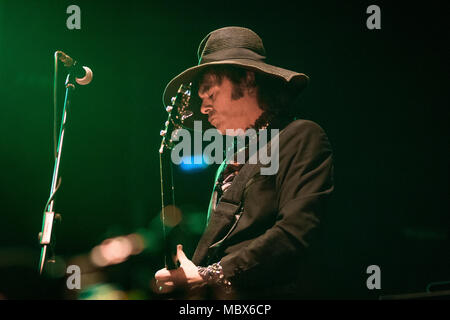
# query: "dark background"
[381,96]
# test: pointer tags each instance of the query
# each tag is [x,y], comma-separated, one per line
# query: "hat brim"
[298,81]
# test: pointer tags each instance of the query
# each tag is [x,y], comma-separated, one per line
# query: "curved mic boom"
[83,74]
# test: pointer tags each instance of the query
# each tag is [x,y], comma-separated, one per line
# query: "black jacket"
[262,244]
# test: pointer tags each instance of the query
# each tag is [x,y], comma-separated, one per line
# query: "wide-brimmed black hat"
[232,46]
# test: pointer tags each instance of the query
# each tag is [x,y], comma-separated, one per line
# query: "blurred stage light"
[117,250]
[173,216]
[195,221]
[103,291]
[137,243]
[193,163]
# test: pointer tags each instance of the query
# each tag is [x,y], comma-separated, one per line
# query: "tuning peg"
[186,114]
[169,108]
[162,133]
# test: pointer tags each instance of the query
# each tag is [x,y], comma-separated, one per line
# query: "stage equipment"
[76,74]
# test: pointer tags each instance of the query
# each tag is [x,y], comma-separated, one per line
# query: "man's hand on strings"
[185,276]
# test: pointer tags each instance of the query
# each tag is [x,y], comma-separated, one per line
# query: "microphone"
[83,74]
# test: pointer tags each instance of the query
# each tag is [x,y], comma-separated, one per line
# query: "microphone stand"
[49,215]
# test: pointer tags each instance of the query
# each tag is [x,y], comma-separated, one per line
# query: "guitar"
[178,112]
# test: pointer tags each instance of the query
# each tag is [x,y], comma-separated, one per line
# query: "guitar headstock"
[178,112]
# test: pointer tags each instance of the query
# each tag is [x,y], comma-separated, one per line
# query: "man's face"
[223,111]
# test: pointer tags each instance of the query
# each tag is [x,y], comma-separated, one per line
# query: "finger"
[166,284]
[163,287]
[180,254]
[163,274]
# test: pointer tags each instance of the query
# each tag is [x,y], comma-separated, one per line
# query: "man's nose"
[206,106]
